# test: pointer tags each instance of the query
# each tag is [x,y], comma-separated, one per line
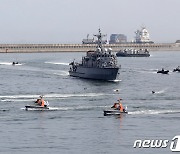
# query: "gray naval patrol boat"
[99,64]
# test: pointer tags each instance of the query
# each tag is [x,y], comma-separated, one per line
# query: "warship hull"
[95,73]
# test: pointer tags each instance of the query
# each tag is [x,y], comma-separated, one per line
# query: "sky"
[69,21]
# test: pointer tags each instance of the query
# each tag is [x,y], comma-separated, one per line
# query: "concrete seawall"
[30,48]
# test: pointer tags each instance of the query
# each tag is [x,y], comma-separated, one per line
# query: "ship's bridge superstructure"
[142,36]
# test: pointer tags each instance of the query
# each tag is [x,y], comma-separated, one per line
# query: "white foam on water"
[153,112]
[57,63]
[117,80]
[61,108]
[17,100]
[150,72]
[62,73]
[87,107]
[22,98]
[160,91]
[66,108]
[5,63]
[18,96]
[35,109]
[74,95]
[8,63]
[17,64]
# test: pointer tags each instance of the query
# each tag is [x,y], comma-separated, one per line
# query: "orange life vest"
[42,103]
[121,107]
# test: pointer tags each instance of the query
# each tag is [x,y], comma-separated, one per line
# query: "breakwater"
[30,48]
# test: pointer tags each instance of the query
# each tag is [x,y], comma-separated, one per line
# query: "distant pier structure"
[30,48]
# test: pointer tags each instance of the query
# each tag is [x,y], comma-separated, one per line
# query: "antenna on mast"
[99,42]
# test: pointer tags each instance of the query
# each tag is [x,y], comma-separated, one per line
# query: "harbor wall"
[30,48]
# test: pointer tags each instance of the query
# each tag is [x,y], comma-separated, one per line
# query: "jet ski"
[38,104]
[153,92]
[163,71]
[116,109]
[114,112]
[177,69]
[35,107]
[14,63]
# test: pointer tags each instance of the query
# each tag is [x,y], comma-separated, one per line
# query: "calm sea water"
[78,125]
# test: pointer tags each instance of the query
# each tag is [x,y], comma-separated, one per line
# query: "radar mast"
[99,42]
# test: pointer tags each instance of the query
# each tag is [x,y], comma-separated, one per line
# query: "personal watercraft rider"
[40,102]
[115,106]
[14,63]
[118,106]
[176,69]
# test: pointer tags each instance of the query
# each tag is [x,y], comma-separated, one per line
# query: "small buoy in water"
[4,110]
[116,90]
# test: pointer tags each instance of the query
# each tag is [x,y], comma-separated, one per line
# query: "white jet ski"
[114,112]
[37,107]
[34,107]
